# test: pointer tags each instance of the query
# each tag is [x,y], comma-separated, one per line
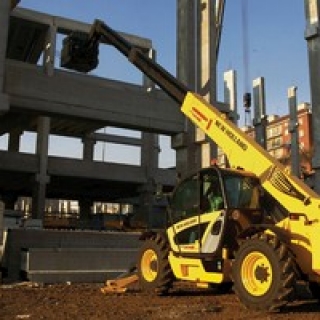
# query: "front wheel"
[154,271]
[263,274]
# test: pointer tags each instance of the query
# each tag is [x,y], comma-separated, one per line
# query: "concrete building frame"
[36,97]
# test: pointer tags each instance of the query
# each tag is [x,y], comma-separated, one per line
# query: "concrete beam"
[108,102]
[111,138]
[18,162]
[4,102]
[65,26]
[95,170]
[165,177]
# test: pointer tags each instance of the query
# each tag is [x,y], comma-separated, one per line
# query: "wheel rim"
[256,273]
[149,265]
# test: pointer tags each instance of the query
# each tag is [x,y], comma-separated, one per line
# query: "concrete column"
[2,234]
[186,72]
[230,94]
[14,140]
[206,67]
[206,62]
[42,178]
[1,228]
[50,50]
[5,7]
[147,82]
[293,129]
[230,98]
[150,162]
[313,40]
[150,141]
[88,148]
[150,153]
[186,33]
[259,107]
[85,206]
[196,67]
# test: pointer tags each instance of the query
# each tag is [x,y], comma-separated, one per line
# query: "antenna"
[245,48]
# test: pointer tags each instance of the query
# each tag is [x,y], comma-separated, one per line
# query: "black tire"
[154,271]
[264,274]
[315,290]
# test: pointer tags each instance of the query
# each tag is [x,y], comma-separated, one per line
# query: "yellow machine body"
[302,227]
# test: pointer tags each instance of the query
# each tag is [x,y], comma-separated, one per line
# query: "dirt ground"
[86,301]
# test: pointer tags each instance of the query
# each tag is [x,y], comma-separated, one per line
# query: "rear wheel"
[154,271]
[263,274]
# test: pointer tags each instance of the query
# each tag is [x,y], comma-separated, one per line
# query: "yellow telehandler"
[252,226]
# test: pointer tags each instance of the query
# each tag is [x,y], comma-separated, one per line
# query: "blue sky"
[276,47]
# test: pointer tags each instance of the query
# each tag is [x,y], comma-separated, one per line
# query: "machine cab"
[208,209]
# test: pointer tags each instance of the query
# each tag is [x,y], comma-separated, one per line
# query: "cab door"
[184,216]
[213,209]
[196,226]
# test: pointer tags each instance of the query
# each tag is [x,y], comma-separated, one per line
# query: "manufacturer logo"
[231,135]
[187,223]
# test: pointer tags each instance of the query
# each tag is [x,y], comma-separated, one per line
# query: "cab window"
[242,192]
[184,203]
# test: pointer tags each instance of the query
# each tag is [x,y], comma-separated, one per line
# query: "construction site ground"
[86,301]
